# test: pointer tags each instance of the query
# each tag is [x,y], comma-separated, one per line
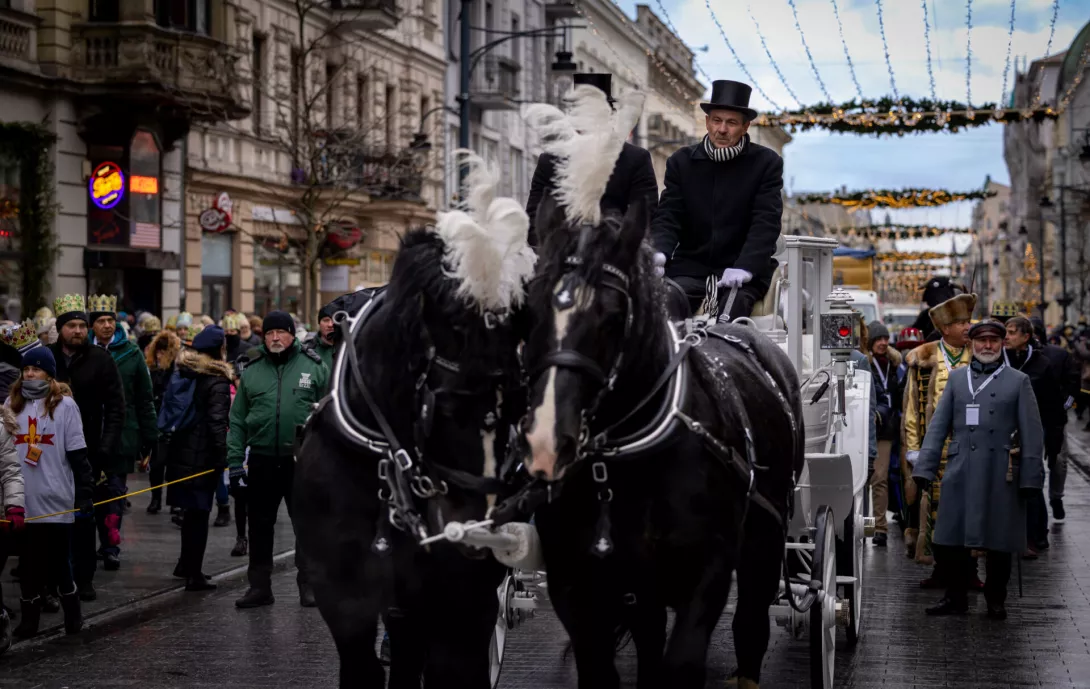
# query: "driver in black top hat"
[720,212]
[633,174]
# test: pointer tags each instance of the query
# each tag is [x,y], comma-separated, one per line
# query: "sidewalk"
[149,551]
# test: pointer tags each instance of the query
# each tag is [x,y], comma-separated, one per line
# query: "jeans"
[961,567]
[879,483]
[1057,472]
[269,481]
[83,531]
[44,563]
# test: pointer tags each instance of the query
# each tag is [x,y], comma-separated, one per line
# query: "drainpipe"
[181,249]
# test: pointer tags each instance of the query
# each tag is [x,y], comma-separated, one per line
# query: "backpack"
[178,411]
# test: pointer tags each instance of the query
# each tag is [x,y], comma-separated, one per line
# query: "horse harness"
[603,447]
[403,472]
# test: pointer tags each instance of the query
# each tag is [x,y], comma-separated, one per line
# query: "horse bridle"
[410,478]
[612,278]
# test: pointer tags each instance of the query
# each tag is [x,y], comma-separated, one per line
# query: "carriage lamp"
[839,325]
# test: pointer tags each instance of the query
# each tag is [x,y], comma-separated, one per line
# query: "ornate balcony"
[193,75]
[366,15]
[18,41]
[495,83]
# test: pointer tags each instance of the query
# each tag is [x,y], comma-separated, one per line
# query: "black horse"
[437,369]
[650,502]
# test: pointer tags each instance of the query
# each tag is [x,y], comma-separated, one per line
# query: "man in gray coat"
[985,485]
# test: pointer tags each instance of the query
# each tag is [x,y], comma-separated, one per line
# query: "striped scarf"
[722,155]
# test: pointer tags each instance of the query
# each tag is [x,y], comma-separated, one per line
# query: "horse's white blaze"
[542,436]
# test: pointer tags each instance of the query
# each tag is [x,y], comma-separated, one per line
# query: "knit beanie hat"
[211,338]
[278,320]
[875,330]
[41,357]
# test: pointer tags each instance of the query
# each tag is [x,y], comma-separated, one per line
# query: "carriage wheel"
[853,593]
[505,592]
[823,612]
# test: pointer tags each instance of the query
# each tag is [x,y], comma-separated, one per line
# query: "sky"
[823,161]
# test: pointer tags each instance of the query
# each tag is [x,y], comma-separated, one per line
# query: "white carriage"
[826,535]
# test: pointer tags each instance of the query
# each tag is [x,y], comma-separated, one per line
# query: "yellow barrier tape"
[120,497]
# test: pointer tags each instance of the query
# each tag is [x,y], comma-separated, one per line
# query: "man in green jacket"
[280,384]
[140,432]
[323,343]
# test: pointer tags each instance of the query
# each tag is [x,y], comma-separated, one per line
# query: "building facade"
[993,252]
[107,90]
[306,198]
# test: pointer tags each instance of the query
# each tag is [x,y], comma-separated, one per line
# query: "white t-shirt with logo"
[49,483]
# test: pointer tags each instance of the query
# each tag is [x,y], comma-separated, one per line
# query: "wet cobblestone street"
[187,640]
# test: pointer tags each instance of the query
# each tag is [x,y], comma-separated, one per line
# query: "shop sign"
[282,216]
[344,235]
[334,279]
[142,184]
[218,217]
[107,185]
[342,261]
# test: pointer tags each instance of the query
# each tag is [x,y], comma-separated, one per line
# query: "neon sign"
[106,186]
[143,185]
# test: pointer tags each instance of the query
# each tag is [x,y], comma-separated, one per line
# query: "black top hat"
[730,95]
[599,80]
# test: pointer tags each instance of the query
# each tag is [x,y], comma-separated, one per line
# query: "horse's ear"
[549,217]
[634,229]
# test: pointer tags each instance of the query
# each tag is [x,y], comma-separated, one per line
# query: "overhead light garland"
[886,198]
[894,231]
[901,257]
[900,116]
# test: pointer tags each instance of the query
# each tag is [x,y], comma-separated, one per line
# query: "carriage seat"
[763,315]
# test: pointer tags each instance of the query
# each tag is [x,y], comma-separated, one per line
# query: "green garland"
[894,231]
[30,144]
[893,198]
[890,116]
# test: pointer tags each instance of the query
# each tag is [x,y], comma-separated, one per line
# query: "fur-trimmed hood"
[892,354]
[202,363]
[166,358]
[7,419]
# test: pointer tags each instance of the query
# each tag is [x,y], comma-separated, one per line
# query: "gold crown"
[44,323]
[102,303]
[232,321]
[152,325]
[43,312]
[191,332]
[172,323]
[185,319]
[23,334]
[1005,309]
[69,303]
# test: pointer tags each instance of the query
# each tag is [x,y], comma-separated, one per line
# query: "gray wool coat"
[978,508]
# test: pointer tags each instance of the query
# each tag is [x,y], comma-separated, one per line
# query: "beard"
[988,357]
[276,347]
[74,341]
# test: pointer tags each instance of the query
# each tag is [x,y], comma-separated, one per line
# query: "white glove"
[658,261]
[734,277]
[911,456]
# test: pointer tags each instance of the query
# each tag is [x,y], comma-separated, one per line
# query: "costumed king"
[633,174]
[985,483]
[720,213]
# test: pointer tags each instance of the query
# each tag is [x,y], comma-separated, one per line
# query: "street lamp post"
[1046,202]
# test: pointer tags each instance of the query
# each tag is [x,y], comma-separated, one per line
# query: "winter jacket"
[161,364]
[11,363]
[633,177]
[889,393]
[97,389]
[11,473]
[275,394]
[717,215]
[139,432]
[203,445]
[324,351]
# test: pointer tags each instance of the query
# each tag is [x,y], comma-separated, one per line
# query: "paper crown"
[102,303]
[43,312]
[233,321]
[151,324]
[1004,309]
[69,303]
[172,323]
[23,336]
[185,319]
[43,323]
[191,332]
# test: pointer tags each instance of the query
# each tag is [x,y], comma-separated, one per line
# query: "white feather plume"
[586,142]
[486,249]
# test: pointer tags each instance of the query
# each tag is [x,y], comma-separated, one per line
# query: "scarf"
[35,389]
[722,155]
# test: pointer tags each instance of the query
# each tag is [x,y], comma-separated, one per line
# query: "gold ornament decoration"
[69,303]
[102,303]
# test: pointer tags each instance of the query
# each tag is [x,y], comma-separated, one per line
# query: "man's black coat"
[633,176]
[96,387]
[713,216]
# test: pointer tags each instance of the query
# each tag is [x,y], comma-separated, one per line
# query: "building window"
[425,106]
[257,109]
[181,15]
[391,118]
[296,95]
[217,257]
[109,10]
[278,280]
[11,256]
[330,88]
[145,193]
[363,103]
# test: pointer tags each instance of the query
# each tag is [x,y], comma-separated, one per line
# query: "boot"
[879,540]
[179,572]
[31,610]
[223,516]
[199,583]
[242,546]
[87,592]
[948,606]
[910,542]
[111,562]
[5,631]
[1058,513]
[306,596]
[997,611]
[73,618]
[255,598]
[50,603]
[156,505]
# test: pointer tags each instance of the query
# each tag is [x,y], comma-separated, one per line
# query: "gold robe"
[928,374]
